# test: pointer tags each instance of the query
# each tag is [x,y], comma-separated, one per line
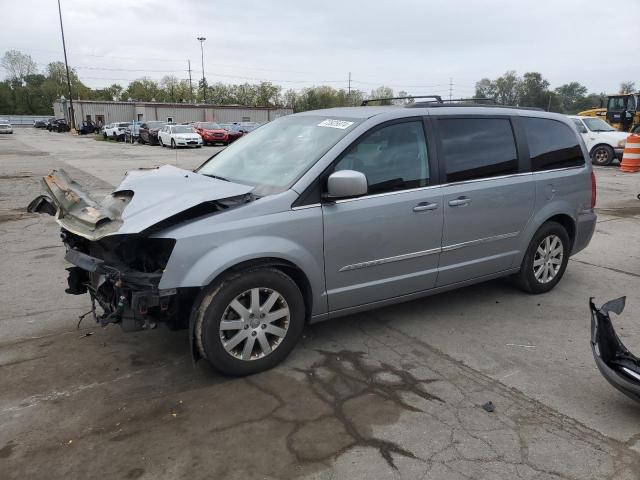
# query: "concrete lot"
[392,393]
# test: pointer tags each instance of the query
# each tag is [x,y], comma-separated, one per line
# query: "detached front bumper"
[128,297]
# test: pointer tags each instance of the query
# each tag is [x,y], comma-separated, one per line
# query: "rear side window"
[552,144]
[477,148]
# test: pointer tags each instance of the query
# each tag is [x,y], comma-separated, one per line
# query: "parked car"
[49,122]
[237,130]
[5,126]
[211,133]
[132,132]
[115,131]
[87,127]
[175,136]
[40,124]
[327,213]
[58,125]
[604,142]
[148,132]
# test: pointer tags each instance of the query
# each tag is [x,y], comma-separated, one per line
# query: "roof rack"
[436,99]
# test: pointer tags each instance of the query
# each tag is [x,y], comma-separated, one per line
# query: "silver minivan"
[326,213]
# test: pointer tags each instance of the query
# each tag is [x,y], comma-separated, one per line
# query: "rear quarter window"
[552,144]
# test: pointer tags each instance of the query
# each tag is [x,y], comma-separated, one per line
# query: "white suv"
[179,136]
[602,140]
[116,130]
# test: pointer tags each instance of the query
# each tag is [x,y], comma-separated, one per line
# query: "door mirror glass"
[346,183]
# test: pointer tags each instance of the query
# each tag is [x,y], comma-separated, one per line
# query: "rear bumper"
[585,227]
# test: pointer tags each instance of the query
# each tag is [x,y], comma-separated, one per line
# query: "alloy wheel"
[254,324]
[548,259]
[601,156]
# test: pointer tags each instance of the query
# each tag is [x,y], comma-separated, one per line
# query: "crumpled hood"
[144,198]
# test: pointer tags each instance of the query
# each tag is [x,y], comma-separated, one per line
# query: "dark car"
[237,130]
[88,127]
[40,124]
[148,132]
[58,125]
[211,133]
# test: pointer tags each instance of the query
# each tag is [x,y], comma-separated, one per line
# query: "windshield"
[182,129]
[210,126]
[598,125]
[277,154]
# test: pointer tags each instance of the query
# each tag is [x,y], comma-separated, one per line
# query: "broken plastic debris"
[489,407]
[616,363]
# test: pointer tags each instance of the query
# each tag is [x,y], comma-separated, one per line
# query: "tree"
[144,90]
[18,65]
[627,87]
[382,92]
[570,96]
[534,91]
[505,89]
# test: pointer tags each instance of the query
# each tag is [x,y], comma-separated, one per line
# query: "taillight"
[593,190]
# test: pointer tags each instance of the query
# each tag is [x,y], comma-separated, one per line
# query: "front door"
[488,198]
[386,243]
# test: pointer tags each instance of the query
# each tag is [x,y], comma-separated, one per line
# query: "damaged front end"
[616,363]
[121,274]
[114,245]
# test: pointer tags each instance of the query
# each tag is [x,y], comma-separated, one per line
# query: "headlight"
[622,143]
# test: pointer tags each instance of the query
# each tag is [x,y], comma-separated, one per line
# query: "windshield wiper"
[217,177]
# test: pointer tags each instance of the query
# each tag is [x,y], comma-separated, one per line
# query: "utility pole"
[190,85]
[450,88]
[66,64]
[204,82]
[349,84]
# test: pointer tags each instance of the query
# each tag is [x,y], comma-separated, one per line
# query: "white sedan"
[179,136]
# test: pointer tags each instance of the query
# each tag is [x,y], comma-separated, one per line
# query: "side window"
[392,158]
[579,125]
[552,144]
[477,148]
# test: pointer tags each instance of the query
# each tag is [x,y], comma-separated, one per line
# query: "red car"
[211,133]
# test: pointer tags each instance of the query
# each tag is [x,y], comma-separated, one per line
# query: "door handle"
[460,202]
[424,206]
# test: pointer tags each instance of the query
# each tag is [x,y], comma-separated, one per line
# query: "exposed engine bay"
[116,258]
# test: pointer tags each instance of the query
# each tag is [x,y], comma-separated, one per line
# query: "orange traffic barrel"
[631,156]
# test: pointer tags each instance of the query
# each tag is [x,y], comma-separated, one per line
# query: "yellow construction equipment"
[622,112]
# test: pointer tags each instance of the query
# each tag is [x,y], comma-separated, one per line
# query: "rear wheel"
[546,259]
[250,321]
[602,155]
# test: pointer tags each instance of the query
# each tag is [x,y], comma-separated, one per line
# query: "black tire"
[173,144]
[526,278]
[213,304]
[160,142]
[602,155]
[636,129]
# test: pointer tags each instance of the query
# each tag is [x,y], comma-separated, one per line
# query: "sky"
[417,46]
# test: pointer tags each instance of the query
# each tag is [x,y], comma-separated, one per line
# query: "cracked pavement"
[391,393]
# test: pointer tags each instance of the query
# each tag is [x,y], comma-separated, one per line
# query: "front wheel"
[173,144]
[546,259]
[250,321]
[160,142]
[602,155]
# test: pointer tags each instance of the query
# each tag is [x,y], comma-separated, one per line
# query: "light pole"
[66,64]
[204,84]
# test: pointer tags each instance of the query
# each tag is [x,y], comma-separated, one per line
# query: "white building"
[107,112]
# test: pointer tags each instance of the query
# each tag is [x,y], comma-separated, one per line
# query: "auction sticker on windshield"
[341,124]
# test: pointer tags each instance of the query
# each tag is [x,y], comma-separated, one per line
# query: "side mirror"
[346,183]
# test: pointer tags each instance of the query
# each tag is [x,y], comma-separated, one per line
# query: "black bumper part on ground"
[619,366]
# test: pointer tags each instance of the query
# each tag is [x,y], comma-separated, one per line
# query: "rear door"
[386,243]
[488,195]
